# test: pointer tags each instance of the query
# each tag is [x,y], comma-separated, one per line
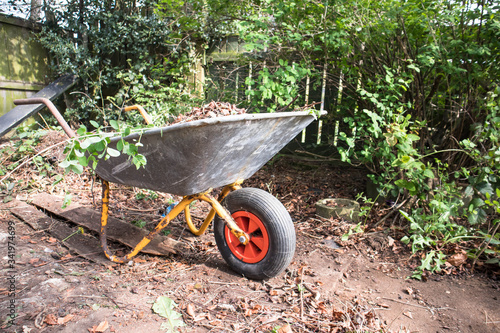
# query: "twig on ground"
[301,290]
[225,283]
[309,235]
[430,309]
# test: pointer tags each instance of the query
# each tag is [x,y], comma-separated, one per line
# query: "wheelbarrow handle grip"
[52,109]
[143,112]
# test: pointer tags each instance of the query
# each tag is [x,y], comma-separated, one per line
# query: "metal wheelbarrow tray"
[192,157]
[252,229]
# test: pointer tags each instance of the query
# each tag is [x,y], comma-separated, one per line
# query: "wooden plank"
[28,214]
[22,112]
[118,230]
[84,245]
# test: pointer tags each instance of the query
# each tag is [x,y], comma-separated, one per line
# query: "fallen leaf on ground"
[139,260]
[102,327]
[34,261]
[285,329]
[65,319]
[190,310]
[458,259]
[66,257]
[51,319]
[337,315]
[408,314]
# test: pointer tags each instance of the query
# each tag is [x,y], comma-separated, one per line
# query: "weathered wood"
[84,245]
[118,230]
[29,214]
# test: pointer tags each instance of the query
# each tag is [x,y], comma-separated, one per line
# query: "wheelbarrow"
[253,231]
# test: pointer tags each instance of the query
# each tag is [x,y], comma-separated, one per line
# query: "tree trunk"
[36,10]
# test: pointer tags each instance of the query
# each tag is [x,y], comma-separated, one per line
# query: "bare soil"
[360,285]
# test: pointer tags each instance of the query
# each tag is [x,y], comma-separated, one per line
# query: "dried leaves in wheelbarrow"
[210,110]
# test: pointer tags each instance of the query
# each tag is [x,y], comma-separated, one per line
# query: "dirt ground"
[360,285]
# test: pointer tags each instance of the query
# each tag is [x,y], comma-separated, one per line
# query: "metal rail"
[52,109]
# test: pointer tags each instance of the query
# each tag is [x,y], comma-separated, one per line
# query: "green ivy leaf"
[119,145]
[90,141]
[139,161]
[76,168]
[413,137]
[82,130]
[410,186]
[113,152]
[114,124]
[428,173]
[66,201]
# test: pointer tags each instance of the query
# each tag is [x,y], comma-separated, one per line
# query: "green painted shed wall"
[23,62]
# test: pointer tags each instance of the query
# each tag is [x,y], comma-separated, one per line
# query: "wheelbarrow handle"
[52,109]
[143,112]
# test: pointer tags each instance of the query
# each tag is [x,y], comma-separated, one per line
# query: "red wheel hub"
[257,246]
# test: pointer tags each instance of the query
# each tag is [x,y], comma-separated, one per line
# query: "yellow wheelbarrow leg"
[224,214]
[229,221]
[225,191]
[216,207]
[145,241]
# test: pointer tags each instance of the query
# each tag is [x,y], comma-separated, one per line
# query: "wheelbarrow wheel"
[272,235]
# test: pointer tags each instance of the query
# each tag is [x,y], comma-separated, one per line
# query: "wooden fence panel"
[24,63]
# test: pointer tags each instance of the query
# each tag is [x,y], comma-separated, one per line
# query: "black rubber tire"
[279,227]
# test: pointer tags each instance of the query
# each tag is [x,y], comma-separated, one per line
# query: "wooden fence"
[24,63]
[225,78]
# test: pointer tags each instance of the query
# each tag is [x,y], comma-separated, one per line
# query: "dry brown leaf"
[65,319]
[190,310]
[102,327]
[34,261]
[52,240]
[408,314]
[139,260]
[285,329]
[51,319]
[337,315]
[457,259]
[66,257]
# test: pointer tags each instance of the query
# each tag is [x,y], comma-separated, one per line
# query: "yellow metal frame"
[143,112]
[217,208]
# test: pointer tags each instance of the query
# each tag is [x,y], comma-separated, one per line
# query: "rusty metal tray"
[192,157]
